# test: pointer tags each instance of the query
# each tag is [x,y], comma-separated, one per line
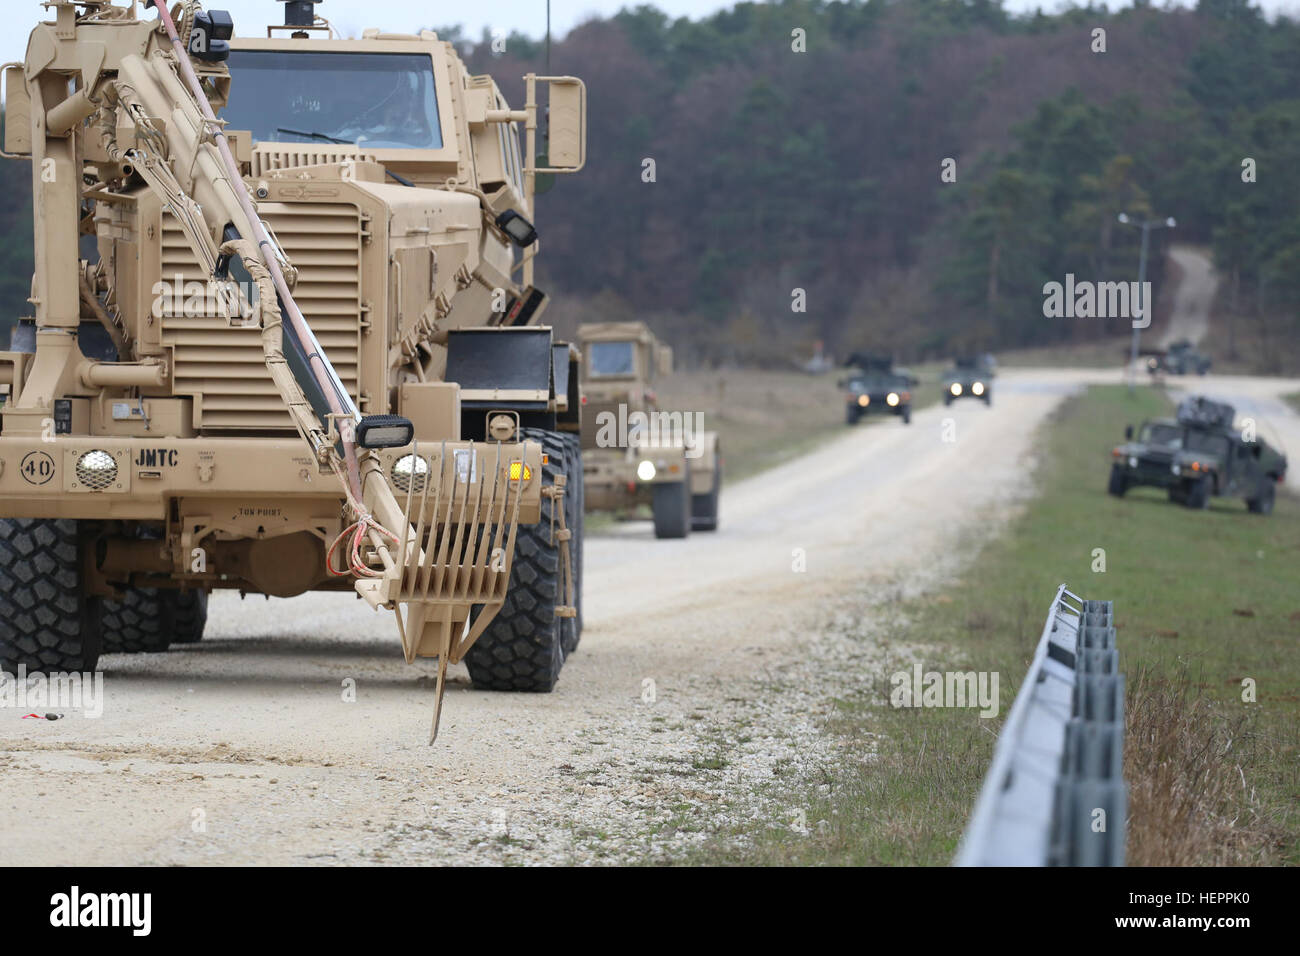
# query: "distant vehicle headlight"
[1132,461]
[891,399]
[864,400]
[646,471]
[977,388]
[955,388]
[1151,363]
[1176,470]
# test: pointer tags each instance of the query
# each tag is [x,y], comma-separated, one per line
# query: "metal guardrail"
[1055,794]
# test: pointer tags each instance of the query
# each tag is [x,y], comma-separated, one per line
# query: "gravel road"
[243,749]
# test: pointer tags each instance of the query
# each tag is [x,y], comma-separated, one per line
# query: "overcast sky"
[350,17]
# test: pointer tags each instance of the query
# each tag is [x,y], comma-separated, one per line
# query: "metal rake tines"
[457,547]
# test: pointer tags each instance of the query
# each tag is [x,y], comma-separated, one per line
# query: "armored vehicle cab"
[970,377]
[876,387]
[1198,455]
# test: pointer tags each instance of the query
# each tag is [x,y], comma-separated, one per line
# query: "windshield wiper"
[320,136]
[345,142]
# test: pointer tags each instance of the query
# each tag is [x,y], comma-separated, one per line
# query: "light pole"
[1146,225]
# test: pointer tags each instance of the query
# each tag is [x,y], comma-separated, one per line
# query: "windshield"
[1161,434]
[611,358]
[1208,442]
[381,100]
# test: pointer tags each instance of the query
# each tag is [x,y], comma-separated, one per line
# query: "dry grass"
[1185,761]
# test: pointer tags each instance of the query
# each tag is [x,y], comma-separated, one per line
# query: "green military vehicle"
[876,386]
[969,377]
[1197,455]
[1180,358]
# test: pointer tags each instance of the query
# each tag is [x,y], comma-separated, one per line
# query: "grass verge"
[1205,601]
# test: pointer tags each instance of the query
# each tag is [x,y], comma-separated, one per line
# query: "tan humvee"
[297,348]
[634,453]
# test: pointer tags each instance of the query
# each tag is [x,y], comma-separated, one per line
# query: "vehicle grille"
[268,158]
[224,367]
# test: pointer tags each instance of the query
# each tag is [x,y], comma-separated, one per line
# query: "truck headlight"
[977,388]
[1176,470]
[646,471]
[891,399]
[955,388]
[1132,461]
[864,400]
[410,473]
[96,470]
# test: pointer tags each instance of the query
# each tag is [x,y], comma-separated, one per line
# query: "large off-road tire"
[149,620]
[189,612]
[704,508]
[1118,483]
[522,649]
[671,506]
[47,621]
[1198,494]
[1262,503]
[574,504]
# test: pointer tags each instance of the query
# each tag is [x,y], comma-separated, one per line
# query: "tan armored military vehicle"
[284,338]
[634,453]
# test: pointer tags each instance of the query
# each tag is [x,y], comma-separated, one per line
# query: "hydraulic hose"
[339,401]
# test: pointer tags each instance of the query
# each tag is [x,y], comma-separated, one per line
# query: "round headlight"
[891,399]
[646,471]
[410,473]
[96,470]
[977,388]
[955,388]
[864,400]
[1132,461]
[1176,470]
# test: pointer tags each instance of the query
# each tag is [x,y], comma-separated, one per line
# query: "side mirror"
[664,361]
[566,143]
[1128,432]
[17,113]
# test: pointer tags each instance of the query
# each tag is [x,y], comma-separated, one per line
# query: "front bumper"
[40,478]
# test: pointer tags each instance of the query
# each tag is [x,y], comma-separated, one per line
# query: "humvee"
[1198,455]
[1180,358]
[875,386]
[634,453]
[970,377]
[285,339]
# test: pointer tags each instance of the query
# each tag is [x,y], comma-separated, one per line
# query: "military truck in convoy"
[969,377]
[636,454]
[876,386]
[1197,455]
[284,338]
[1180,358]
